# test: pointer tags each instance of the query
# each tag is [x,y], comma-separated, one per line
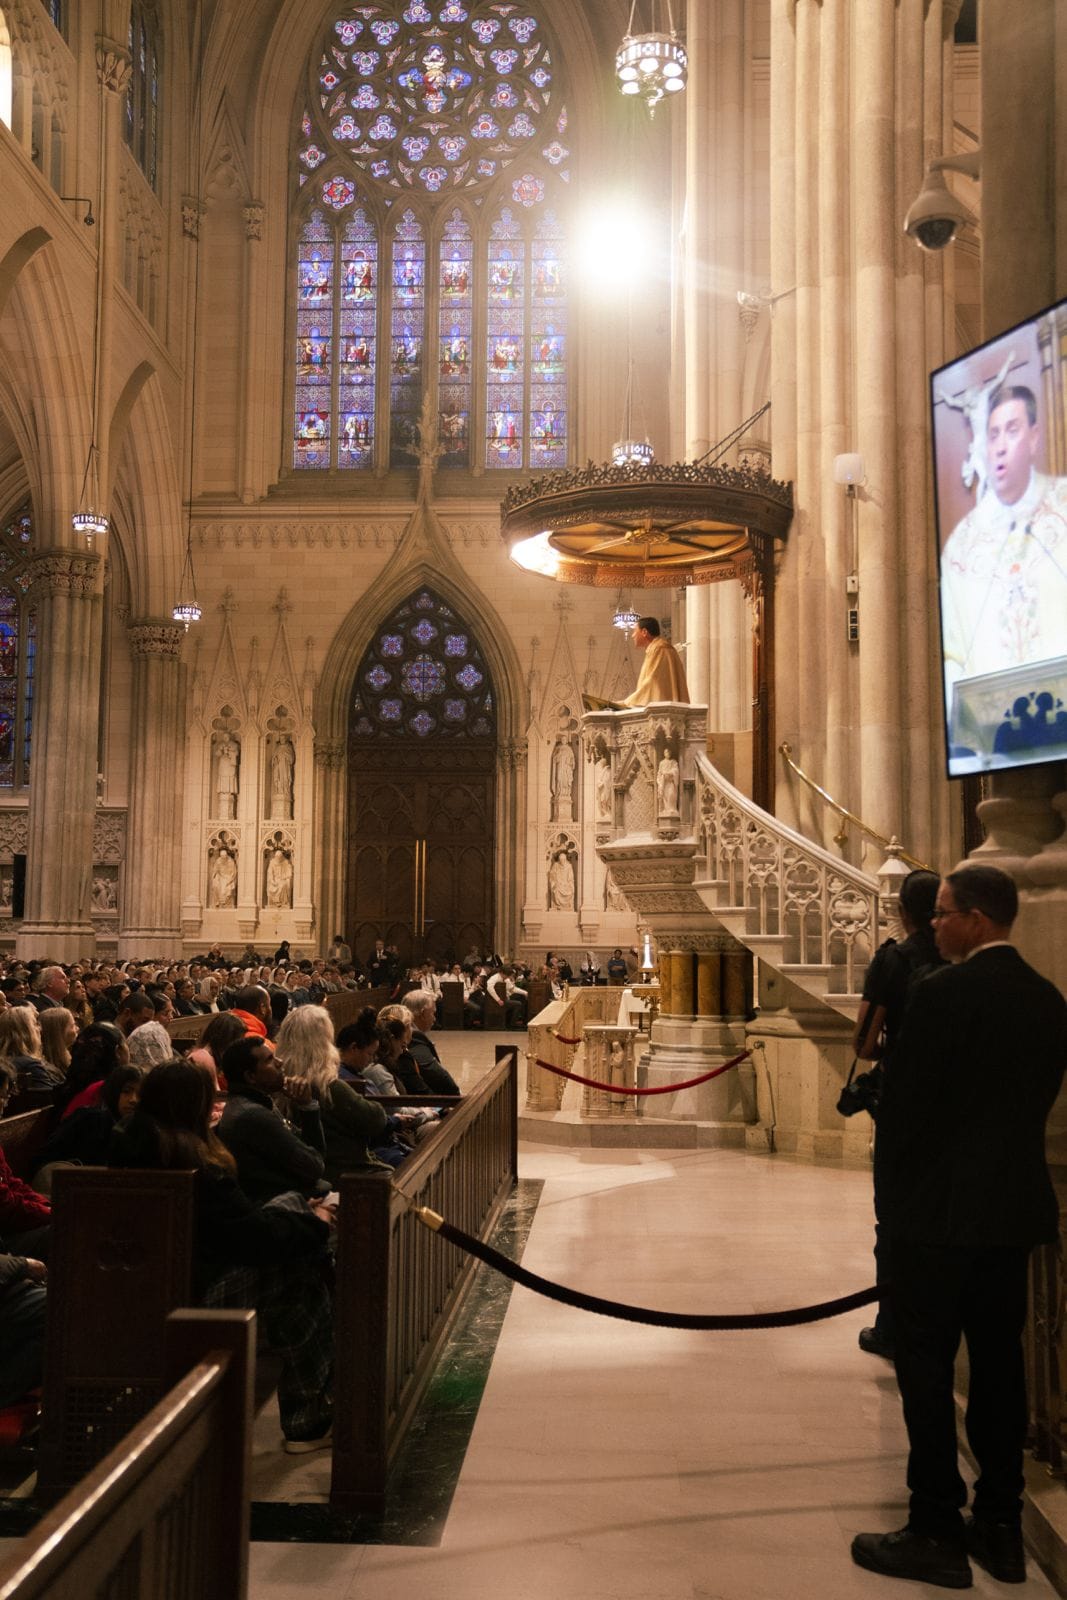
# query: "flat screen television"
[999,423]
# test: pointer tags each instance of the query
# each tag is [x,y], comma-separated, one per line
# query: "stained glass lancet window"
[142,92]
[455,332]
[423,675]
[359,339]
[413,105]
[408,335]
[18,649]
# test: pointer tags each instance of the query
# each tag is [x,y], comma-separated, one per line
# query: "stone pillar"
[329,830]
[737,983]
[252,368]
[874,228]
[150,921]
[1022,156]
[682,998]
[709,983]
[63,769]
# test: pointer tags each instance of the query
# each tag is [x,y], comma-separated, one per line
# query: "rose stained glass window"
[18,650]
[455,112]
[412,683]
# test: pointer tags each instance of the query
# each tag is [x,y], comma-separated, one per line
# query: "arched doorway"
[421,784]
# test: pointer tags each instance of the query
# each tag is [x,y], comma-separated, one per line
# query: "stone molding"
[13,833]
[64,572]
[149,637]
[113,65]
[330,532]
[253,214]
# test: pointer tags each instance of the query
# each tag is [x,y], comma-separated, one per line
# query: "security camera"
[936,216]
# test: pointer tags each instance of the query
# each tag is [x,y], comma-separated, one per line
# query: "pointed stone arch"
[347,650]
[141,451]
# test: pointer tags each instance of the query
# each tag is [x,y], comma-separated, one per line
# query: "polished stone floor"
[614,1462]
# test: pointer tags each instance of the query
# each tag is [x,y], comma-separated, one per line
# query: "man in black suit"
[980,1061]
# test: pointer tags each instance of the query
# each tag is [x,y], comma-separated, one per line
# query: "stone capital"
[192,212]
[56,572]
[113,65]
[152,636]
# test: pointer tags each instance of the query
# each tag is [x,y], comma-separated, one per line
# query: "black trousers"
[937,1296]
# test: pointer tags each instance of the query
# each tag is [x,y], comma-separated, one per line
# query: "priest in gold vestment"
[662,675]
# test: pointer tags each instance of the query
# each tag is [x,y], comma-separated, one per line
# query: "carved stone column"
[652,855]
[151,920]
[63,771]
[329,832]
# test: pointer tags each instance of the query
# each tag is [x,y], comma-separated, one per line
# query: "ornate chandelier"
[651,64]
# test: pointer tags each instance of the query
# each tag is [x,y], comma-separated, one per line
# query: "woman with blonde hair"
[351,1124]
[403,1065]
[58,1032]
[20,1041]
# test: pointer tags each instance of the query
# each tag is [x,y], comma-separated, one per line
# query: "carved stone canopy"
[650,526]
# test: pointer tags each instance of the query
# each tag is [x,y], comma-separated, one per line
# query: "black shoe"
[875,1343]
[913,1555]
[998,1547]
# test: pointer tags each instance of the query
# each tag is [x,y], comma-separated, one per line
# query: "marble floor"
[616,1462]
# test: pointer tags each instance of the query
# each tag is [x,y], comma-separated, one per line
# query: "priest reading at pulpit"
[662,675]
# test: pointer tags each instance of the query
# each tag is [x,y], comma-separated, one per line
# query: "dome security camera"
[935,217]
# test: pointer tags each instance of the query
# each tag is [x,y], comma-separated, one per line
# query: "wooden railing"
[165,1515]
[399,1286]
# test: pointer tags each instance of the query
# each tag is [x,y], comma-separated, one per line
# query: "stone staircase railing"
[796,906]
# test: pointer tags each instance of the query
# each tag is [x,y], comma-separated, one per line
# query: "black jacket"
[978,1066]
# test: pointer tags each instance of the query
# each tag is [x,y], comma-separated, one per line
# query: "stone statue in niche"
[561,883]
[227,762]
[602,781]
[104,896]
[282,763]
[562,781]
[222,881]
[279,880]
[667,787]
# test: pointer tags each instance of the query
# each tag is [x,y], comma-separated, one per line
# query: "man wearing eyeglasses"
[980,1062]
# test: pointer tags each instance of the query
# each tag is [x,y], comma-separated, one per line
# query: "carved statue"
[562,779]
[667,787]
[227,761]
[222,888]
[279,880]
[603,789]
[282,763]
[561,883]
[104,898]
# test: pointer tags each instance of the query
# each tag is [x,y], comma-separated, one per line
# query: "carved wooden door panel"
[422,785]
[421,856]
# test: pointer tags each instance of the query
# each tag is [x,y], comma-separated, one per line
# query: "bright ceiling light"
[535,554]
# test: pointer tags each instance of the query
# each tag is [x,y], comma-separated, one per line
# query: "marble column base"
[683,1048]
[63,941]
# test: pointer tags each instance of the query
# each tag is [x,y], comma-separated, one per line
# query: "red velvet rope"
[562,1037]
[663,1088]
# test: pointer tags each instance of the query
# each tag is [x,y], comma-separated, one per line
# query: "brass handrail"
[891,844]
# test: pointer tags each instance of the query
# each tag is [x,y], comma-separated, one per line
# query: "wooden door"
[422,786]
[421,841]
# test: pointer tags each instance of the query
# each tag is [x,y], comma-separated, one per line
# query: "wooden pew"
[121,1261]
[452,1005]
[22,1136]
[188,1027]
[166,1512]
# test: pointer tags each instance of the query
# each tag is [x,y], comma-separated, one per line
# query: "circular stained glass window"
[423,677]
[460,92]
